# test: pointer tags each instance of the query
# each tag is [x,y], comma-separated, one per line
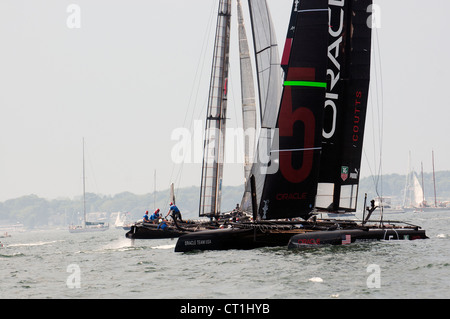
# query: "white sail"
[247,94]
[417,192]
[269,76]
[267,62]
[213,152]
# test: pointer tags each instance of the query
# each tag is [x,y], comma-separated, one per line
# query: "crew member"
[146,219]
[174,212]
[162,225]
[155,216]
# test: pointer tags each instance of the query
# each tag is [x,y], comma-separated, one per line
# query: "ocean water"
[57,264]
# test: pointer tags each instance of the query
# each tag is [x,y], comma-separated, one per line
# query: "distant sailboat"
[87,226]
[122,221]
[414,193]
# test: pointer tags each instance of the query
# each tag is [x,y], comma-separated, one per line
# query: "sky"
[131,76]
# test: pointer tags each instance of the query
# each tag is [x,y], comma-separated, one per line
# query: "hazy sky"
[132,72]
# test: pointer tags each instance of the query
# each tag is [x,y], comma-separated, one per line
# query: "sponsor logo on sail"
[357,116]
[355,174]
[336,22]
[344,173]
[291,196]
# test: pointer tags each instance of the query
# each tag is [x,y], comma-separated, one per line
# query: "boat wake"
[16,254]
[316,279]
[164,247]
[39,243]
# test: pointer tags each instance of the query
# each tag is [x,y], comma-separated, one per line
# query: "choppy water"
[57,264]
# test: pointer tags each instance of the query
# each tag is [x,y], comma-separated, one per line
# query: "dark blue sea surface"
[57,264]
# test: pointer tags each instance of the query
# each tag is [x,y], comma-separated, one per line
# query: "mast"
[214,143]
[154,190]
[434,180]
[172,193]
[84,190]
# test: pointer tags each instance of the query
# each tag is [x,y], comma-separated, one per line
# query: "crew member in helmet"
[155,216]
[174,212]
[146,219]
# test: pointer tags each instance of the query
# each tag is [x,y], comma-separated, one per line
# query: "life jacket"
[174,209]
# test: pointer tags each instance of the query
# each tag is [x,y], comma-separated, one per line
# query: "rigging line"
[373,128]
[196,82]
[375,119]
[377,123]
[297,150]
[202,109]
[372,165]
[380,112]
[370,168]
[382,96]
[381,108]
[203,58]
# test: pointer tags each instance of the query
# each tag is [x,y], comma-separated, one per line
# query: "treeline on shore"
[33,211]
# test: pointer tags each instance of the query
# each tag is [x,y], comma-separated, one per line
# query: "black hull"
[152,232]
[245,238]
[173,230]
[343,237]
[232,238]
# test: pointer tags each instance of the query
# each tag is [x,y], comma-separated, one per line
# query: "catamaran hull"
[245,239]
[343,237]
[232,238]
[149,232]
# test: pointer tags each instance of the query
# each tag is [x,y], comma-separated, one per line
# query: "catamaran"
[312,116]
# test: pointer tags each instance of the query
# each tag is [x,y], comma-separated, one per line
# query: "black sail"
[290,37]
[290,190]
[348,77]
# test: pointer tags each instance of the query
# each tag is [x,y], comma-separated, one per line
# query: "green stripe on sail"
[306,83]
